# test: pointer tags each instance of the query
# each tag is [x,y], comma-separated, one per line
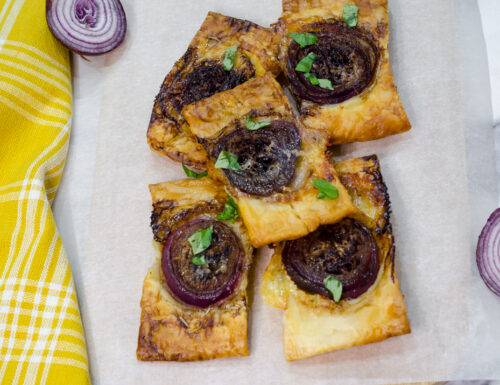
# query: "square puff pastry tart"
[274,189]
[364,103]
[199,73]
[315,324]
[170,329]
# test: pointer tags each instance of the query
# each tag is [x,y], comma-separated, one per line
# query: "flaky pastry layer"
[314,324]
[171,330]
[376,112]
[168,133]
[295,211]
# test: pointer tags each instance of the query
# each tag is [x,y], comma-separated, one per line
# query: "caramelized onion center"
[345,250]
[208,283]
[267,157]
[346,56]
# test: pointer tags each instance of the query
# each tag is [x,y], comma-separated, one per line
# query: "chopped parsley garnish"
[199,260]
[228,161]
[229,57]
[326,84]
[350,15]
[326,189]
[252,125]
[193,174]
[306,63]
[230,212]
[323,83]
[201,239]
[334,286]
[304,39]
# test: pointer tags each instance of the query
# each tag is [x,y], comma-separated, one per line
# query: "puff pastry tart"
[267,162]
[202,72]
[194,304]
[352,262]
[340,75]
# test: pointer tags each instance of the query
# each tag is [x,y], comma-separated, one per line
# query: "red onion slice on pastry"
[204,79]
[267,157]
[205,284]
[345,250]
[345,56]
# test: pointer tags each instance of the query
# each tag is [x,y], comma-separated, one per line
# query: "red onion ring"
[176,282]
[488,252]
[87,27]
[339,40]
[345,250]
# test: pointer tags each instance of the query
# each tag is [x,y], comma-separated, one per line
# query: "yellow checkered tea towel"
[41,334]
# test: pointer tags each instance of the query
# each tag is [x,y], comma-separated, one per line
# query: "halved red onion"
[87,27]
[488,252]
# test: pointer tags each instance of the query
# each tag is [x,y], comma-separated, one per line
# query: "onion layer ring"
[267,156]
[346,56]
[488,252]
[215,280]
[345,250]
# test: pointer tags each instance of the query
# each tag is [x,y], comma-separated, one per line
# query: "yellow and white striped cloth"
[41,334]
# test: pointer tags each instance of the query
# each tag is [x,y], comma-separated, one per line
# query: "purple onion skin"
[488,252]
[177,289]
[87,27]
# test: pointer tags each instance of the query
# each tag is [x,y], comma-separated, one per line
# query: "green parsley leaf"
[252,125]
[200,240]
[350,15]
[304,39]
[326,189]
[193,174]
[229,57]
[306,63]
[326,84]
[228,161]
[199,260]
[334,286]
[230,212]
[312,78]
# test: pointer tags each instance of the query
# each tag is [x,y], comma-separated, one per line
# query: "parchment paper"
[452,315]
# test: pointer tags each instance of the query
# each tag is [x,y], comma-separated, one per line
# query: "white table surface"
[75,197]
[490,14]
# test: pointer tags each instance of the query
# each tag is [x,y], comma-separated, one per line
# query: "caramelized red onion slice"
[204,285]
[346,56]
[267,157]
[87,27]
[207,80]
[488,252]
[345,250]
